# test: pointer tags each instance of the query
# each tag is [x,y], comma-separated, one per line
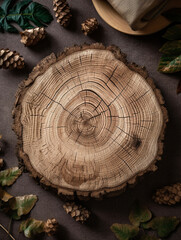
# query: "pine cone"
[31,37]
[79,213]
[62,12]
[2,145]
[10,59]
[89,26]
[168,195]
[1,163]
[51,226]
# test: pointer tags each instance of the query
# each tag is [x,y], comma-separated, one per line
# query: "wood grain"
[111,17]
[88,122]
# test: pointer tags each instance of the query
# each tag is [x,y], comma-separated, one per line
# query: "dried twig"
[1,226]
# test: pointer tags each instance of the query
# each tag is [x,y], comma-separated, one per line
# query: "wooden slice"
[111,17]
[88,122]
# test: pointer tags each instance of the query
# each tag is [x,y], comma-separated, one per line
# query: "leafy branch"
[140,217]
[16,207]
[23,13]
[170,61]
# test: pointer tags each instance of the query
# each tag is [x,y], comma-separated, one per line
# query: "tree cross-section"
[88,122]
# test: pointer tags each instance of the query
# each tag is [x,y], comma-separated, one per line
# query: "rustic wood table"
[143,51]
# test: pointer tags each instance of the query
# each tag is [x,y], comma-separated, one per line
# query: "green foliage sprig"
[163,225]
[140,217]
[14,207]
[170,61]
[23,13]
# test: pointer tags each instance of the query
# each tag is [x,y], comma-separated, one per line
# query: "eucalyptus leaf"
[9,176]
[174,15]
[124,231]
[139,213]
[21,205]
[170,63]
[173,33]
[31,227]
[23,13]
[163,225]
[171,47]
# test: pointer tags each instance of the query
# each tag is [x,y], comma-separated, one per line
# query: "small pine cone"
[1,163]
[89,26]
[168,195]
[51,226]
[62,12]
[10,59]
[31,37]
[2,145]
[79,213]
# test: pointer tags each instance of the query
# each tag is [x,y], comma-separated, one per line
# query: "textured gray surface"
[143,51]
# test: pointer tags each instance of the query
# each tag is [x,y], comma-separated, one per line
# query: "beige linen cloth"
[138,12]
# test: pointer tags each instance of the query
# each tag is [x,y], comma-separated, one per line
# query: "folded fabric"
[138,12]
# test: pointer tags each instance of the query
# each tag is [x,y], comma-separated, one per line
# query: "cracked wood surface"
[88,122]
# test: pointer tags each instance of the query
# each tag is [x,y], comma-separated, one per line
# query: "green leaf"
[2,14]
[124,231]
[163,225]
[31,227]
[9,176]
[1,19]
[19,6]
[170,64]
[21,205]
[5,5]
[148,237]
[173,15]
[18,16]
[171,47]
[38,14]
[23,13]
[139,214]
[173,33]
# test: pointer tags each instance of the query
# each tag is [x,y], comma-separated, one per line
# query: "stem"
[7,232]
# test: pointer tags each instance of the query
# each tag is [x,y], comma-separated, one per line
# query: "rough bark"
[88,122]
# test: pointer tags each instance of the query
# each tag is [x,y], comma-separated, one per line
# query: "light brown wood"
[88,122]
[111,17]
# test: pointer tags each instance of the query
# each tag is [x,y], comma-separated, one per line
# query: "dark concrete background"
[143,51]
